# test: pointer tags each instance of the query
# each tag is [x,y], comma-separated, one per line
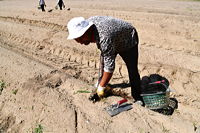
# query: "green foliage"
[14,91]
[38,129]
[2,85]
[82,91]
[164,130]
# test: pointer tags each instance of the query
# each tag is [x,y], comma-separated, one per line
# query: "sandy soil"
[43,71]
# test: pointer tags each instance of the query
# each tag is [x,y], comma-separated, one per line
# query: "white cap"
[77,27]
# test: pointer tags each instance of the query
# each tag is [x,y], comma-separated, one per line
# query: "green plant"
[15,91]
[82,91]
[38,129]
[195,126]
[141,130]
[164,129]
[2,85]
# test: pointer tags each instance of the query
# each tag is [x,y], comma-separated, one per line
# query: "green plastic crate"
[156,100]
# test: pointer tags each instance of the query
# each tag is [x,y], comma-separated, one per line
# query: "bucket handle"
[168,89]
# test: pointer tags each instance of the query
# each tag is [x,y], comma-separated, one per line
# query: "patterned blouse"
[114,36]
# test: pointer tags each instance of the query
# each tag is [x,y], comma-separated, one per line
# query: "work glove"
[99,93]
[103,91]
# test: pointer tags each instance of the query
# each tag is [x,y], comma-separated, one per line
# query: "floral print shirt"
[114,36]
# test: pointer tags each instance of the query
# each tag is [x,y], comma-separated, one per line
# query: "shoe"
[139,102]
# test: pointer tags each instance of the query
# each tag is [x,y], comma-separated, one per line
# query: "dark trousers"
[42,7]
[130,57]
[60,3]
